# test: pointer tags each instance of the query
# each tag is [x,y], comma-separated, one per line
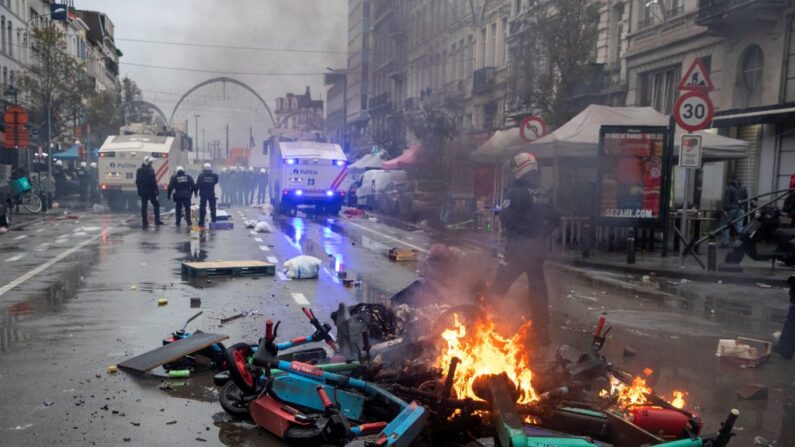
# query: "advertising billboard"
[631,183]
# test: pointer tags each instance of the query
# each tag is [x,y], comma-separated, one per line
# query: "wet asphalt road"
[77,296]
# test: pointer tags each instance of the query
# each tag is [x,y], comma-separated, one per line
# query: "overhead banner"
[631,176]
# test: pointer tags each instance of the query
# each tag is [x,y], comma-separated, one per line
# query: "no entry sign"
[693,111]
[532,128]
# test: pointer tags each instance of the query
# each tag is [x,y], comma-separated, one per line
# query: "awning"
[73,153]
[409,157]
[580,137]
[369,161]
[755,115]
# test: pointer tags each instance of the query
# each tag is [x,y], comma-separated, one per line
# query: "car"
[421,199]
[374,182]
[388,199]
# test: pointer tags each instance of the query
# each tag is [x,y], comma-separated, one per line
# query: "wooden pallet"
[227,268]
[222,216]
[401,255]
[171,352]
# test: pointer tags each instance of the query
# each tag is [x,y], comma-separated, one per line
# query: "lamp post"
[196,118]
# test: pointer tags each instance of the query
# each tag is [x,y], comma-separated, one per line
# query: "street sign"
[693,111]
[690,152]
[532,128]
[696,78]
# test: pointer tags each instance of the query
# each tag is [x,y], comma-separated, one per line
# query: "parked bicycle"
[23,193]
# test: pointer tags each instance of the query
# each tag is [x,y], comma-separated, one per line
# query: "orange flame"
[634,394]
[678,400]
[486,352]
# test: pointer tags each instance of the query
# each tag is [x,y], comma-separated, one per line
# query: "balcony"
[411,103]
[379,103]
[737,16]
[483,79]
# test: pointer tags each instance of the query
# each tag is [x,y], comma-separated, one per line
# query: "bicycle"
[22,193]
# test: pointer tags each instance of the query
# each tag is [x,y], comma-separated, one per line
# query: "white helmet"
[83,164]
[93,164]
[263,171]
[148,160]
[224,169]
[523,163]
[59,163]
[207,166]
[180,169]
[251,169]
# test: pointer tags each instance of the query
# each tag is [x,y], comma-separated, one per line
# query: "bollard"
[712,256]
[631,246]
[586,241]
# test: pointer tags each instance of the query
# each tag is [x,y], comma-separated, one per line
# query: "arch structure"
[223,80]
[141,102]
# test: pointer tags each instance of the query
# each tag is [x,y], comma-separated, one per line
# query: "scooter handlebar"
[321,391]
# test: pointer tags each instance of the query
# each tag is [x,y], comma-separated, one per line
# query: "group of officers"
[241,184]
[239,187]
[83,176]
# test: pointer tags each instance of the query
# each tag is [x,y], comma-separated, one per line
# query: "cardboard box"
[747,352]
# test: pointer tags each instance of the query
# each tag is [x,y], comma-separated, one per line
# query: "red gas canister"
[660,421]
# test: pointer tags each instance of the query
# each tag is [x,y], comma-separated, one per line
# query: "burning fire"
[485,352]
[637,393]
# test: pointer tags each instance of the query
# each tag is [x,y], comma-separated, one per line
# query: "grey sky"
[302,24]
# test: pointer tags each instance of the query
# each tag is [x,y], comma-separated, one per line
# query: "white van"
[374,182]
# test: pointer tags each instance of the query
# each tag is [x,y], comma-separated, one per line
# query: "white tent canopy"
[580,137]
[369,161]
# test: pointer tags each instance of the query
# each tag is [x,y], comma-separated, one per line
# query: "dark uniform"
[84,181]
[146,182]
[232,184]
[60,180]
[222,179]
[249,185]
[182,186]
[262,187]
[527,218]
[786,343]
[93,184]
[205,183]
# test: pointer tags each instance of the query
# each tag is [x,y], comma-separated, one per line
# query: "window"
[492,59]
[10,39]
[482,49]
[658,89]
[647,14]
[752,62]
[3,32]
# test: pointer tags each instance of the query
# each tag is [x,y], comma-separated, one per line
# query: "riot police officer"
[146,182]
[527,218]
[205,184]
[262,186]
[182,187]
[83,179]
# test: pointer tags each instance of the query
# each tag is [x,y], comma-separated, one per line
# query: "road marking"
[273,260]
[39,230]
[21,236]
[300,299]
[22,279]
[16,257]
[258,239]
[419,249]
[43,247]
[264,248]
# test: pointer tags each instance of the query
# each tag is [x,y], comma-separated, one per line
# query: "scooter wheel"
[236,357]
[233,401]
[301,436]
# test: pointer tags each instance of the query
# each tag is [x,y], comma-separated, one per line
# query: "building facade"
[299,112]
[14,16]
[358,77]
[98,53]
[644,47]
[336,129]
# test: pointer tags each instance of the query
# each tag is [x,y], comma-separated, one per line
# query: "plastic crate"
[20,185]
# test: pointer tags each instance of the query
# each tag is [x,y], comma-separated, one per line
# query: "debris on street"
[302,267]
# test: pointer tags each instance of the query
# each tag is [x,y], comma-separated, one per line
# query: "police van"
[121,155]
[307,173]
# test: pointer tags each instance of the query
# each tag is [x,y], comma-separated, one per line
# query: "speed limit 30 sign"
[693,111]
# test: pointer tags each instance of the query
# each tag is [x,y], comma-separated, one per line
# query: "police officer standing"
[222,179]
[146,182]
[83,180]
[93,182]
[527,218]
[205,183]
[231,183]
[262,186]
[182,187]
[60,178]
[250,185]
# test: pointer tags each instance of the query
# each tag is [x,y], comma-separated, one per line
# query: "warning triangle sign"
[696,78]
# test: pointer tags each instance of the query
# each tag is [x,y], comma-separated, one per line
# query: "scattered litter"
[302,267]
[762,285]
[127,439]
[353,212]
[752,391]
[179,374]
[171,422]
[373,219]
[240,315]
[645,278]
[747,352]
[201,439]
[630,352]
[262,227]
[762,442]
[133,287]
[162,302]
[48,403]
[402,255]
[112,369]
[250,223]
[195,303]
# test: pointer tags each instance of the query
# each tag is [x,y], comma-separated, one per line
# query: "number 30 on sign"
[693,111]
